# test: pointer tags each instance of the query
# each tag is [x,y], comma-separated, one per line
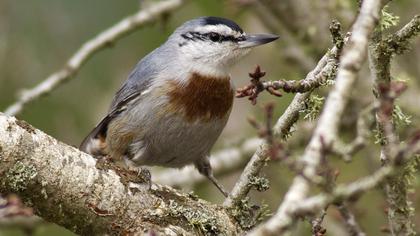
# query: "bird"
[175,103]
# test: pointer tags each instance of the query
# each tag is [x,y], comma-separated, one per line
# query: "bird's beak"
[253,40]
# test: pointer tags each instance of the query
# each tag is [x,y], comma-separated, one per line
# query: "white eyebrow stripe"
[221,29]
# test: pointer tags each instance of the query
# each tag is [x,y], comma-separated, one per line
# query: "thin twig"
[354,54]
[386,90]
[397,43]
[265,131]
[317,229]
[354,190]
[342,192]
[252,90]
[292,86]
[365,123]
[350,220]
[101,41]
[282,127]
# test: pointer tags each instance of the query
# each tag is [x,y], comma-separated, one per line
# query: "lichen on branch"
[63,185]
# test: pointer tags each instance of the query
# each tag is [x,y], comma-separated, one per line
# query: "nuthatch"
[177,100]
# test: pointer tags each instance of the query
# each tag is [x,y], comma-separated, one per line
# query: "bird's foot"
[130,175]
[218,185]
[145,175]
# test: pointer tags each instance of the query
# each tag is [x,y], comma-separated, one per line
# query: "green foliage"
[388,19]
[313,107]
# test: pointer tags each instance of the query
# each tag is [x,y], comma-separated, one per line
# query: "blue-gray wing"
[138,81]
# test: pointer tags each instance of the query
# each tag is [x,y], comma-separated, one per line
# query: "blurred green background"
[37,37]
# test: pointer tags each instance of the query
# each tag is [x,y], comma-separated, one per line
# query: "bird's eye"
[240,38]
[215,37]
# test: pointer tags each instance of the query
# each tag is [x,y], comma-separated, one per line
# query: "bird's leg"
[142,172]
[203,166]
[211,177]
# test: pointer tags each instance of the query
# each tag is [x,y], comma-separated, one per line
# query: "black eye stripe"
[212,36]
[215,37]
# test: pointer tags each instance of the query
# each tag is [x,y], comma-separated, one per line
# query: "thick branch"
[341,192]
[354,54]
[101,41]
[64,186]
[351,191]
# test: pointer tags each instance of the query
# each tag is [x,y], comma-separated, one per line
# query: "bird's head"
[211,45]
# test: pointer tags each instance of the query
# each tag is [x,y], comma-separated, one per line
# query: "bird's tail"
[95,142]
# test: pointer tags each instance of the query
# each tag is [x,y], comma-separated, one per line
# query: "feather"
[138,82]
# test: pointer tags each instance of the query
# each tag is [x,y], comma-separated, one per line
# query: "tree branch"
[380,54]
[101,41]
[365,123]
[341,193]
[350,221]
[354,54]
[354,190]
[281,129]
[64,186]
[398,42]
[312,80]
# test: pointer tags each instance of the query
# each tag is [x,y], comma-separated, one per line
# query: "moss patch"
[19,175]
[261,184]
[248,215]
[205,223]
